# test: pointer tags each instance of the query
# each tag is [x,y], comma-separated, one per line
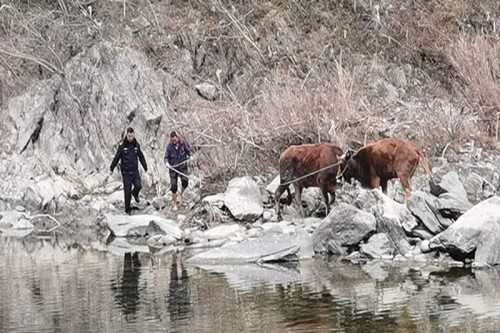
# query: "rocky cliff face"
[60,136]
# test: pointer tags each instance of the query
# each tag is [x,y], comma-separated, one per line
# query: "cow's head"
[348,165]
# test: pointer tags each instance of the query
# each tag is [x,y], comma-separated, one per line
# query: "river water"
[49,285]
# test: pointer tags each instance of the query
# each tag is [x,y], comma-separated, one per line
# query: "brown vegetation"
[287,72]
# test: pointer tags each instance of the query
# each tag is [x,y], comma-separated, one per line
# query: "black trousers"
[174,179]
[131,186]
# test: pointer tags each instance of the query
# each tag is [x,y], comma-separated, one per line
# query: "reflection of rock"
[248,276]
[120,246]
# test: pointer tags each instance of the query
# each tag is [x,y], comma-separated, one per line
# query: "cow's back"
[299,160]
[384,157]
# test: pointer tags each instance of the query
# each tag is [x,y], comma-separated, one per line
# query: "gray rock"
[425,246]
[265,249]
[463,237]
[420,206]
[375,201]
[488,246]
[216,200]
[243,199]
[378,246]
[206,90]
[346,225]
[394,219]
[473,185]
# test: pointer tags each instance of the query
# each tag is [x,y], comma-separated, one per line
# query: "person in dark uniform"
[177,154]
[128,153]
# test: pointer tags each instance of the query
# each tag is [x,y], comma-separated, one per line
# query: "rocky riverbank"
[453,219]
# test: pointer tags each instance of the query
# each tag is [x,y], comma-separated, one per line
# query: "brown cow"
[299,161]
[374,164]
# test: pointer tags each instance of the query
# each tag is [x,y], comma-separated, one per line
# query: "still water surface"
[53,286]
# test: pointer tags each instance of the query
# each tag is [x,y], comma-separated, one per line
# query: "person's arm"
[117,157]
[141,158]
[168,155]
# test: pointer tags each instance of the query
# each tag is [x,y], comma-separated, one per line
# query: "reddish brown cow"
[376,163]
[296,162]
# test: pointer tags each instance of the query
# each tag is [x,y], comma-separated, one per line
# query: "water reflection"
[179,296]
[127,291]
[50,286]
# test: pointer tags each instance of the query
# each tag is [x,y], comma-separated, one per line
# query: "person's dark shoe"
[134,208]
[128,211]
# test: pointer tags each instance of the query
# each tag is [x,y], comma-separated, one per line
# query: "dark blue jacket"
[178,153]
[128,153]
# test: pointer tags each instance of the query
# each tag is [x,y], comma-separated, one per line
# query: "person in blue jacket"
[177,154]
[128,154]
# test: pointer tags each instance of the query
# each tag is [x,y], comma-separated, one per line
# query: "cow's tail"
[424,162]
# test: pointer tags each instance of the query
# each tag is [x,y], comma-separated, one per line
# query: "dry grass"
[287,72]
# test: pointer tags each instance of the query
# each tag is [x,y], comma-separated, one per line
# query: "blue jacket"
[128,153]
[175,154]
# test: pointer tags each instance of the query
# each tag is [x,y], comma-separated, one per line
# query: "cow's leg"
[298,199]
[277,196]
[324,191]
[375,182]
[383,183]
[405,182]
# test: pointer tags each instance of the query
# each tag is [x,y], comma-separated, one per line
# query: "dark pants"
[131,179]
[174,176]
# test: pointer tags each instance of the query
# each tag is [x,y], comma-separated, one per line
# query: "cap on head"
[173,134]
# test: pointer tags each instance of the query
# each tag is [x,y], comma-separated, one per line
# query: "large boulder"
[243,199]
[142,226]
[345,226]
[474,228]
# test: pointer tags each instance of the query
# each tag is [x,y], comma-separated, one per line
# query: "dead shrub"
[477,61]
